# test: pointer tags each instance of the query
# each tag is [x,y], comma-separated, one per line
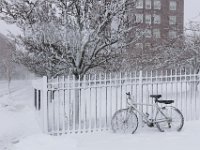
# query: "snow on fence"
[66,105]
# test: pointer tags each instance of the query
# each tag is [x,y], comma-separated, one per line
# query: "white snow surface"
[19,130]
[16,113]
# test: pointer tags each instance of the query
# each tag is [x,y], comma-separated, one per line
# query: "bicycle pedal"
[150,124]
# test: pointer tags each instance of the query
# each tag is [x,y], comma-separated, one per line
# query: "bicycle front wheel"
[124,121]
[169,119]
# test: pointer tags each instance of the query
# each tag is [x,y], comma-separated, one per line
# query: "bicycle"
[165,119]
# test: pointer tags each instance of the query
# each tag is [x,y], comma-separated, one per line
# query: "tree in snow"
[62,36]
[183,51]
[180,52]
[192,46]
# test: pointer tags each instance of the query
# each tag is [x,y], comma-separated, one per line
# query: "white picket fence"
[97,97]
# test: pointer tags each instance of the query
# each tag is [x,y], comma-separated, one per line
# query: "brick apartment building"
[159,19]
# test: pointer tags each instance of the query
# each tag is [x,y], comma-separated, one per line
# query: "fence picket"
[79,105]
[195,95]
[96,115]
[57,113]
[85,123]
[63,106]
[141,94]
[186,99]
[181,82]
[111,99]
[44,105]
[74,103]
[106,103]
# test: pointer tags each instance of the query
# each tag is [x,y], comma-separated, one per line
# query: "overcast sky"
[192,12]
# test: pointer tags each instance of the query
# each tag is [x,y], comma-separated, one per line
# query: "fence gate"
[76,106]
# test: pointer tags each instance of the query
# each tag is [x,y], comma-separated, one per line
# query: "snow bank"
[16,113]
[15,124]
[46,142]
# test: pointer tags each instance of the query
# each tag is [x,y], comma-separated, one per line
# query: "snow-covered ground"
[19,130]
[16,113]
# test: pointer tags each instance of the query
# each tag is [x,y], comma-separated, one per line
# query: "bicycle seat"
[165,101]
[156,96]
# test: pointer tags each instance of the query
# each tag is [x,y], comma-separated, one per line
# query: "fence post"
[140,95]
[44,103]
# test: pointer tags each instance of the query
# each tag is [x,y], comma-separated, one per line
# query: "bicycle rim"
[175,122]
[124,121]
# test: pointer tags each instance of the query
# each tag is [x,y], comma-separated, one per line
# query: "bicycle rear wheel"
[171,119]
[124,121]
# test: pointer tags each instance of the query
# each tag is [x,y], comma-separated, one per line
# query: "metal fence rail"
[87,105]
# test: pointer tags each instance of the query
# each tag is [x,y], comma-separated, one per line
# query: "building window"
[156,19]
[147,45]
[139,4]
[139,45]
[156,33]
[172,20]
[157,4]
[147,33]
[172,5]
[148,19]
[172,34]
[139,18]
[148,4]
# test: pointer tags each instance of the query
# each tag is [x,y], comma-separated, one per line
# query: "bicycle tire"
[176,119]
[124,121]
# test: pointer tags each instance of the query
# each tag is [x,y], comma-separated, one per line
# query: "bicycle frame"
[144,116]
